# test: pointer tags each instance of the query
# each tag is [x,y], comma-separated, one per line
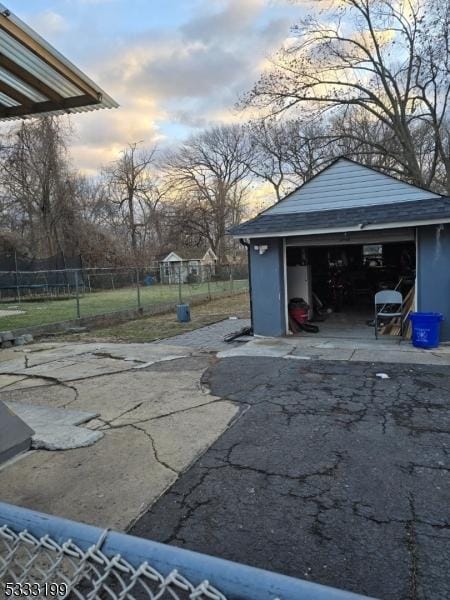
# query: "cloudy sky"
[173,65]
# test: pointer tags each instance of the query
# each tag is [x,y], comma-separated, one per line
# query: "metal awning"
[35,79]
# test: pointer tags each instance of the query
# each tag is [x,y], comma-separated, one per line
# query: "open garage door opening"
[331,282]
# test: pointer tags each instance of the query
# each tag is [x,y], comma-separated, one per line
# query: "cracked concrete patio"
[145,402]
[331,474]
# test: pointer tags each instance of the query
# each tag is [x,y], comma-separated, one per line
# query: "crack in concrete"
[100,354]
[126,368]
[114,425]
[190,509]
[31,376]
[413,466]
[155,451]
[405,522]
[125,412]
[329,471]
[70,387]
[8,385]
[49,378]
[213,400]
[411,543]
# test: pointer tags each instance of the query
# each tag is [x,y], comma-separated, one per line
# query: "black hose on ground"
[245,331]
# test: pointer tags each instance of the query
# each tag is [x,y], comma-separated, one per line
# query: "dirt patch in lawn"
[163,326]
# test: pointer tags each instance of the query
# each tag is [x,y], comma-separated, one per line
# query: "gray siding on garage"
[345,184]
[267,280]
[433,281]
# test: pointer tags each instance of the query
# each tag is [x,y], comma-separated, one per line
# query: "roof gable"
[346,184]
[172,257]
[183,254]
[210,254]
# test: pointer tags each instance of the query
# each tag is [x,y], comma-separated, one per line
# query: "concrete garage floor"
[145,407]
[331,474]
[310,347]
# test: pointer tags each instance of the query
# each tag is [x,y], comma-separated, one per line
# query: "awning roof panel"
[7,101]
[20,86]
[35,79]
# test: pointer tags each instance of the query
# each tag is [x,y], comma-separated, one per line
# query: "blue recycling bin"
[183,313]
[426,329]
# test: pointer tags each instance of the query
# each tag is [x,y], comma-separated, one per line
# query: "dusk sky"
[173,65]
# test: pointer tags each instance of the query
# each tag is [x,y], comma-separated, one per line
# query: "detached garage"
[340,238]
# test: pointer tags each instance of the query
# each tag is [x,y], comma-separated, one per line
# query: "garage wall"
[267,279]
[433,281]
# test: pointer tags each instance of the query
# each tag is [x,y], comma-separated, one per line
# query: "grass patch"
[42,312]
[149,329]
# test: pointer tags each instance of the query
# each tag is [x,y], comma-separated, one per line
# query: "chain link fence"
[47,557]
[36,298]
[43,568]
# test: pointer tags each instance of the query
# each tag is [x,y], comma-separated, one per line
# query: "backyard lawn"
[149,329]
[16,315]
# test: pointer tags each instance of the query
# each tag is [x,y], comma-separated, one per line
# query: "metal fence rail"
[65,559]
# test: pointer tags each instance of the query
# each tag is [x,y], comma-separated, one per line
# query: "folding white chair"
[385,298]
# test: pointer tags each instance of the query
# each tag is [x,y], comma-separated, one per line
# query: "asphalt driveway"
[331,474]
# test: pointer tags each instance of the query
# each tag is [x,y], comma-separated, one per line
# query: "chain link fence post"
[208,279]
[180,296]
[231,278]
[17,277]
[77,295]
[138,289]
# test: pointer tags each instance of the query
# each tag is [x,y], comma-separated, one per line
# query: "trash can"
[426,329]
[183,313]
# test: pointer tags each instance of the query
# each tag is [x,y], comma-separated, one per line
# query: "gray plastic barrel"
[183,313]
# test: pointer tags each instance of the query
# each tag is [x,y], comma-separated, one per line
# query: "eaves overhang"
[368,227]
[37,80]
[415,213]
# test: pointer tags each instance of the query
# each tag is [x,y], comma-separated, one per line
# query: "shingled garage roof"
[433,210]
[35,79]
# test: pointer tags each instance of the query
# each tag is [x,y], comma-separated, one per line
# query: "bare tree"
[208,175]
[51,208]
[389,60]
[132,186]
[37,183]
[286,153]
[268,143]
[309,148]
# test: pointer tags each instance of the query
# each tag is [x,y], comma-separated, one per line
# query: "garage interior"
[338,277]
